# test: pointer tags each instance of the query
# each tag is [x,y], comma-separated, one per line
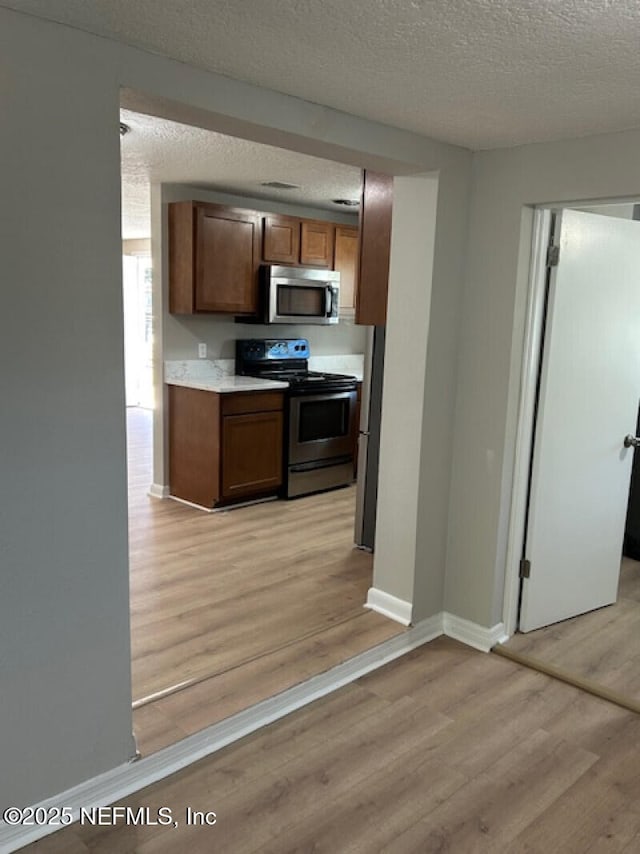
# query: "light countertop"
[227,384]
[218,374]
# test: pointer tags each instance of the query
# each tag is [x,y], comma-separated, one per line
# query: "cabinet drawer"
[244,402]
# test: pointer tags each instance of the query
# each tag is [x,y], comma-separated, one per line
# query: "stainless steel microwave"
[300,295]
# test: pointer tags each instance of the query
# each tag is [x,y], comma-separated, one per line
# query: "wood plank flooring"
[444,750]
[237,605]
[602,646]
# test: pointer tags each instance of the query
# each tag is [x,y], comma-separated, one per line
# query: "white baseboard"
[157,490]
[191,504]
[225,508]
[389,606]
[119,783]
[472,634]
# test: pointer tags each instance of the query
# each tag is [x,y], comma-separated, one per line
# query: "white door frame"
[534,323]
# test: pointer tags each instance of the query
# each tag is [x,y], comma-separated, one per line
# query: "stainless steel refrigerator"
[369,439]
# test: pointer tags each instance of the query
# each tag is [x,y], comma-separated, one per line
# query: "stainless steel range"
[320,428]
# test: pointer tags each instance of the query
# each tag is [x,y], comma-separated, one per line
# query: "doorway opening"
[231,607]
[578,584]
[138,322]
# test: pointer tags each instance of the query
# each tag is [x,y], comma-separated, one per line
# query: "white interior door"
[590,385]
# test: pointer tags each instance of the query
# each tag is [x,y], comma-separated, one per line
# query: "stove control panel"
[266,349]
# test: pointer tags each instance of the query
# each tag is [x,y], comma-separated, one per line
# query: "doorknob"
[631,441]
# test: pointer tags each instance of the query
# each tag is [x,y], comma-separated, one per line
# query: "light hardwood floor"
[602,646]
[239,605]
[444,750]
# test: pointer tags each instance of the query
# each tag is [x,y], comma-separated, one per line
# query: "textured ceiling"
[157,150]
[479,73]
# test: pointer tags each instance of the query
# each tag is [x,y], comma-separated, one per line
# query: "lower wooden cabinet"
[251,453]
[224,447]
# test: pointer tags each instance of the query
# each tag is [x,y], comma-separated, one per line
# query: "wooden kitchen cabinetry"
[281,239]
[290,240]
[375,248]
[316,243]
[345,261]
[214,257]
[252,426]
[215,253]
[224,447]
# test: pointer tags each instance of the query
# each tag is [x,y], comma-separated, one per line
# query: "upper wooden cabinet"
[214,256]
[375,247]
[345,261]
[290,240]
[316,243]
[281,239]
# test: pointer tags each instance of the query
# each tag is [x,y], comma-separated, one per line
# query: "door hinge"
[525,568]
[553,256]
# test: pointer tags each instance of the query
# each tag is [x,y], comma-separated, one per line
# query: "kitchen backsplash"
[195,369]
[345,364]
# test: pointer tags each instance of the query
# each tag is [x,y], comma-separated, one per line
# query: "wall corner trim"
[473,634]
[157,490]
[389,606]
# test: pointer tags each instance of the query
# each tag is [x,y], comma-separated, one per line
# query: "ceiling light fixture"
[347,203]
[280,185]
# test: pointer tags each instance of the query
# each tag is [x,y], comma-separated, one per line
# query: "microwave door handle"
[328,301]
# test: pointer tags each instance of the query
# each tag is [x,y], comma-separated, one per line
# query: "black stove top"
[298,377]
[285,360]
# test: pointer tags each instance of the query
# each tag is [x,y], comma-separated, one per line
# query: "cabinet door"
[227,260]
[281,239]
[346,263]
[316,243]
[181,257]
[251,454]
[194,445]
[375,247]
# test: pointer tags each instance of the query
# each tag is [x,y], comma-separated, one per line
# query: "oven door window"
[301,301]
[321,426]
[323,419]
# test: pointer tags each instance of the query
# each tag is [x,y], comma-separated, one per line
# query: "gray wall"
[64,671]
[399,516]
[65,692]
[441,378]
